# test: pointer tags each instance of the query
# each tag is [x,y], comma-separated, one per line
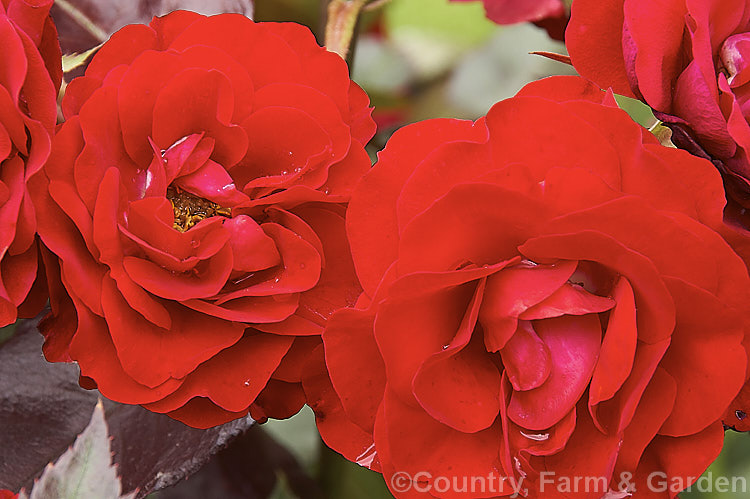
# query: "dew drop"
[247,382]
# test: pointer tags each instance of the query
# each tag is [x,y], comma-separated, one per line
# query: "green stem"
[342,20]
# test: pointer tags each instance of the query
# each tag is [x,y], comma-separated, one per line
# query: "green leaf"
[637,110]
[74,60]
[85,470]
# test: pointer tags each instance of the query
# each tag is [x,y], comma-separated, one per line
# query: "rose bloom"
[30,74]
[685,59]
[7,494]
[551,15]
[195,199]
[543,292]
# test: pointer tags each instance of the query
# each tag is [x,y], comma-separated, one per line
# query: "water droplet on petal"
[247,382]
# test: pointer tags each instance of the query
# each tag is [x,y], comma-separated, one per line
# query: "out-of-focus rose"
[7,494]
[30,74]
[195,199]
[551,15]
[689,62]
[543,292]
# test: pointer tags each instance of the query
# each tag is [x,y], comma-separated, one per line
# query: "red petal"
[334,425]
[553,146]
[615,414]
[574,344]
[211,181]
[204,281]
[195,101]
[356,369]
[411,330]
[95,353]
[568,299]
[122,48]
[656,71]
[511,11]
[468,224]
[526,358]
[653,409]
[300,271]
[152,355]
[265,56]
[459,386]
[655,306]
[271,153]
[252,248]
[371,220]
[200,412]
[595,23]
[232,378]
[418,443]
[706,358]
[512,291]
[618,348]
[254,309]
[437,174]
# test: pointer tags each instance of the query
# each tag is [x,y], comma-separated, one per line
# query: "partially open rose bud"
[689,62]
[551,15]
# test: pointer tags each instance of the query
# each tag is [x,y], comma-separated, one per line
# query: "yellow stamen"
[189,209]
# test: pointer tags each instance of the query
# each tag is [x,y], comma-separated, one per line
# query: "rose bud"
[687,61]
[552,15]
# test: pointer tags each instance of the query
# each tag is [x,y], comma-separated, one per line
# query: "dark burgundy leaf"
[247,469]
[42,410]
[83,24]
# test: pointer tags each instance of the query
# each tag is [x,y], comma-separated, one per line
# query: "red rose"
[196,200]
[7,494]
[687,60]
[543,292]
[551,15]
[30,74]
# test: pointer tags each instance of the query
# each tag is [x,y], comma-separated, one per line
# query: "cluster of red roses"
[545,289]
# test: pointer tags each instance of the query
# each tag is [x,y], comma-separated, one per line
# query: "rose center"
[734,55]
[189,209]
